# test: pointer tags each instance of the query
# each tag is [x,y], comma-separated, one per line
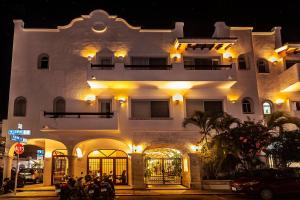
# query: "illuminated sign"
[19,132]
[18,139]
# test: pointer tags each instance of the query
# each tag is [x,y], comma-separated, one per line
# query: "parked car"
[268,183]
[32,175]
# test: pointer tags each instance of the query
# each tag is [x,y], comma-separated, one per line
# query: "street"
[170,197]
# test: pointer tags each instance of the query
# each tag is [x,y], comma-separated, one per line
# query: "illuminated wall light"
[90,99]
[279,101]
[178,85]
[121,99]
[233,99]
[176,57]
[48,154]
[227,55]
[137,149]
[177,98]
[93,77]
[273,60]
[79,153]
[96,152]
[195,148]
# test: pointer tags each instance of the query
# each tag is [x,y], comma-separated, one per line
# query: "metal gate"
[163,171]
[116,167]
[59,166]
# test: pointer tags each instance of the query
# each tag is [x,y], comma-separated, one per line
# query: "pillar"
[7,166]
[195,168]
[71,164]
[47,175]
[137,167]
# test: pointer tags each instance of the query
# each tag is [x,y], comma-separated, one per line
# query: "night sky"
[198,16]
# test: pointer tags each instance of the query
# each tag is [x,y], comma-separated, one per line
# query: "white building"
[100,95]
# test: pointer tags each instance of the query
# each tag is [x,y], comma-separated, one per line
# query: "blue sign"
[18,139]
[19,132]
[40,152]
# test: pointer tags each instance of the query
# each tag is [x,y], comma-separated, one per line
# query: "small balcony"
[102,66]
[148,67]
[207,67]
[290,79]
[78,121]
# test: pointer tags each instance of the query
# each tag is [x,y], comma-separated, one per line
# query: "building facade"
[103,97]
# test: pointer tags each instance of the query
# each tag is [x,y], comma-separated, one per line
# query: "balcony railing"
[148,67]
[102,67]
[207,67]
[78,114]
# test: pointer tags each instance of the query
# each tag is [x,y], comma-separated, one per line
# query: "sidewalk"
[49,191]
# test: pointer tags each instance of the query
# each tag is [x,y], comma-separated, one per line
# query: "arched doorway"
[59,165]
[163,166]
[109,162]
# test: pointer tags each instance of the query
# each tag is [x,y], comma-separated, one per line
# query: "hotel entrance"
[163,166]
[112,163]
[59,166]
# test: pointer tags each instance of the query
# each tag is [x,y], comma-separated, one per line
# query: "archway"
[109,162]
[163,166]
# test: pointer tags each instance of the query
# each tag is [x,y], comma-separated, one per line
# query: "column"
[7,166]
[47,175]
[195,167]
[71,161]
[137,169]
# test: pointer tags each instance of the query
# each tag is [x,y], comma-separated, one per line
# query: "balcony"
[207,67]
[64,121]
[290,79]
[102,66]
[148,67]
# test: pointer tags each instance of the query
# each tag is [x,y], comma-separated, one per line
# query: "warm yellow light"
[273,59]
[137,149]
[48,154]
[175,56]
[89,52]
[177,98]
[227,55]
[195,148]
[292,88]
[120,54]
[177,85]
[121,99]
[280,49]
[79,152]
[185,165]
[90,99]
[232,98]
[279,101]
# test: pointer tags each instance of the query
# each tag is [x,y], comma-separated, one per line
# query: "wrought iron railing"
[102,67]
[148,67]
[77,114]
[207,67]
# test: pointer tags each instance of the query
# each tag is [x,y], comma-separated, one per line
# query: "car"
[268,183]
[32,175]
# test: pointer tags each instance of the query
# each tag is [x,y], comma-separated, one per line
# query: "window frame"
[270,104]
[203,104]
[147,59]
[17,114]
[150,117]
[40,60]
[244,56]
[266,67]
[250,103]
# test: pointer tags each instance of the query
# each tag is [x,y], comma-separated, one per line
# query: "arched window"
[262,66]
[242,62]
[247,105]
[43,61]
[59,104]
[20,107]
[267,108]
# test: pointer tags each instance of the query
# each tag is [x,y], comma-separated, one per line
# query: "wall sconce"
[279,101]
[273,60]
[177,98]
[227,55]
[90,99]
[48,154]
[233,99]
[121,100]
[120,55]
[176,57]
[195,148]
[137,149]
[93,77]
[79,153]
[90,58]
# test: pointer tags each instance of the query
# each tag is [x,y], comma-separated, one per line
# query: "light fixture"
[195,148]
[227,55]
[79,153]
[137,149]
[177,98]
[176,57]
[273,60]
[121,99]
[90,99]
[93,77]
[48,154]
[279,101]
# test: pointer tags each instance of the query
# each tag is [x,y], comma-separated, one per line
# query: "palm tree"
[225,122]
[204,121]
[279,119]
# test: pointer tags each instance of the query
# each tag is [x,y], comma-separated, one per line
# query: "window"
[20,107]
[105,105]
[267,108]
[201,61]
[262,66]
[147,109]
[105,61]
[247,105]
[59,105]
[148,61]
[43,61]
[290,63]
[296,105]
[193,105]
[242,62]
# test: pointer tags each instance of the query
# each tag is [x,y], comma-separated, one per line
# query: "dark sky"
[199,17]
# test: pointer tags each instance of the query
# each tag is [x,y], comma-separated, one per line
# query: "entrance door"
[163,171]
[59,166]
[109,162]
